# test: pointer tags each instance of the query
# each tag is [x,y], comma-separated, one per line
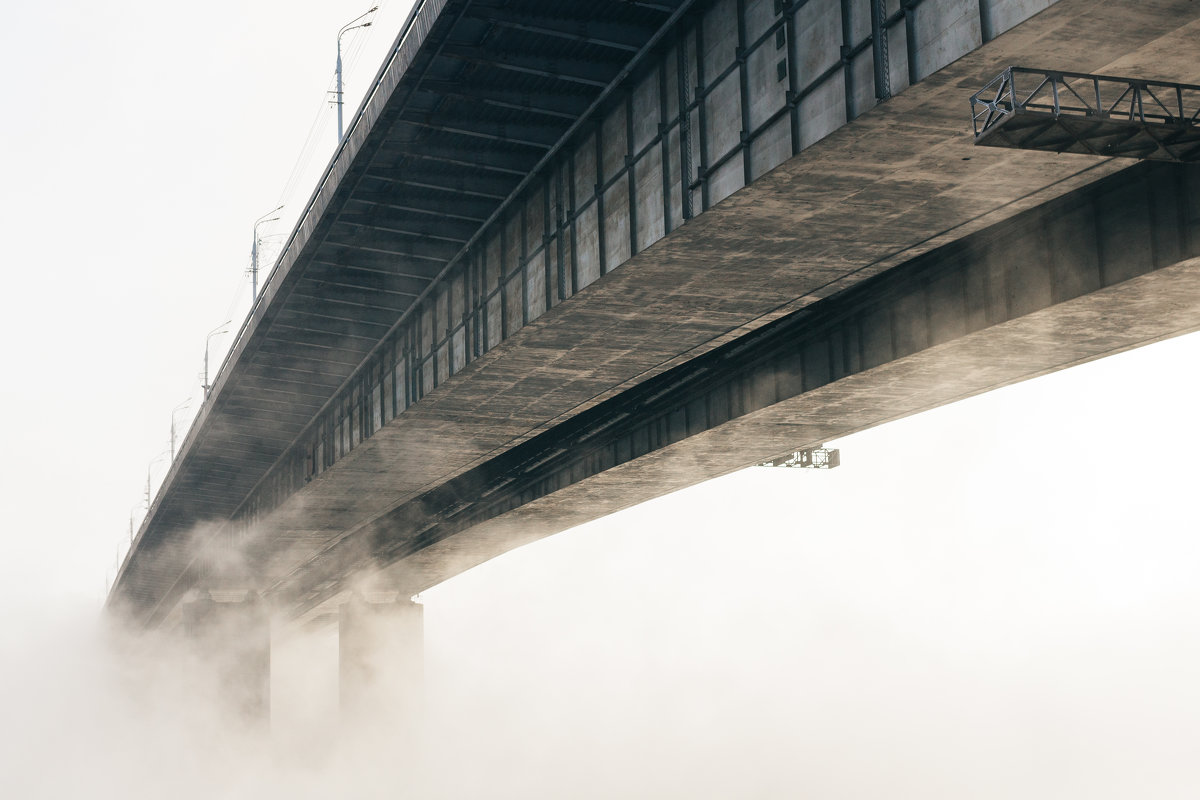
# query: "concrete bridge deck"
[899,181]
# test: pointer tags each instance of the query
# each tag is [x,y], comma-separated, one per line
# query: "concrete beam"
[1111,267]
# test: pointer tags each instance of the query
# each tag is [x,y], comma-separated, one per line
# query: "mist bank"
[992,600]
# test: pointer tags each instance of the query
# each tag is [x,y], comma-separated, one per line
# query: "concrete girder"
[896,173]
[1107,268]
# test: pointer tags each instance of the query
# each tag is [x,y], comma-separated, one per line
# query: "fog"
[996,599]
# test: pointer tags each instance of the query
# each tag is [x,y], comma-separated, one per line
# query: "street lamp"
[175,411]
[349,26]
[214,332]
[149,469]
[133,510]
[254,251]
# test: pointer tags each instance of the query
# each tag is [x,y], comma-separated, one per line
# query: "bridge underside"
[507,445]
[1105,269]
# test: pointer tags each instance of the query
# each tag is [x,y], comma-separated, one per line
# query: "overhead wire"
[322,119]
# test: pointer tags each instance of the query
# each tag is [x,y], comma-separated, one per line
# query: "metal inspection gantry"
[1073,112]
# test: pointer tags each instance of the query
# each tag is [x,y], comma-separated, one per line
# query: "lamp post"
[175,411]
[349,26]
[132,511]
[214,332]
[149,469]
[254,251]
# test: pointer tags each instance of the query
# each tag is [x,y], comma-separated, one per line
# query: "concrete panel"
[457,298]
[858,15]
[1122,228]
[1165,213]
[442,372]
[1029,284]
[671,64]
[535,210]
[512,243]
[945,30]
[772,147]
[760,15]
[816,364]
[585,170]
[852,348]
[724,109]
[875,332]
[726,180]
[425,332]
[718,405]
[1190,181]
[823,111]
[697,415]
[720,37]
[947,315]
[493,262]
[651,225]
[789,373]
[863,84]
[587,247]
[996,278]
[647,111]
[616,224]
[818,40]
[441,312]
[495,334]
[535,295]
[910,323]
[768,91]
[614,143]
[513,303]
[427,385]
[759,390]
[459,350]
[897,50]
[1000,15]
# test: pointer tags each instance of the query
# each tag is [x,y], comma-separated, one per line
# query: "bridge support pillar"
[381,663]
[230,640]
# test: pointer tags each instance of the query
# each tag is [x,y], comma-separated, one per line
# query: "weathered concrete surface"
[1056,285]
[900,181]
[886,188]
[1141,311]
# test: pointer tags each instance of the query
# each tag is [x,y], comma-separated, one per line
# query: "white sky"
[992,599]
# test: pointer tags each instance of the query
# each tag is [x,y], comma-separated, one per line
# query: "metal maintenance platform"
[1072,112]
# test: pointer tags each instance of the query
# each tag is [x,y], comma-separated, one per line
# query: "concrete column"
[381,662]
[230,641]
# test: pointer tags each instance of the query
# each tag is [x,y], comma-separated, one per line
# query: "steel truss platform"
[1072,112]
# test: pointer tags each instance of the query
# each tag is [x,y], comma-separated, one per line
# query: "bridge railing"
[326,184]
[1099,97]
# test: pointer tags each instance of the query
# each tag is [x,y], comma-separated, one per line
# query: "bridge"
[571,257]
